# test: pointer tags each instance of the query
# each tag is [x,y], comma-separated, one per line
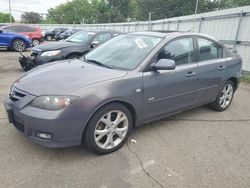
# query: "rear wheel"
[35,42]
[18,45]
[108,129]
[224,98]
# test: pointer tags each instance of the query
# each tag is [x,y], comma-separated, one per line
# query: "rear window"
[208,50]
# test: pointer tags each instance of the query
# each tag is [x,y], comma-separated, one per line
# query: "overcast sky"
[19,6]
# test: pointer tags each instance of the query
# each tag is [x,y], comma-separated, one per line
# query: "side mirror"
[1,31]
[94,44]
[164,64]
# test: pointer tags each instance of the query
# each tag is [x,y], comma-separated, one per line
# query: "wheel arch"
[235,82]
[122,102]
[18,38]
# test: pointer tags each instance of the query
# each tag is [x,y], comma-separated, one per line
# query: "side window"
[101,38]
[180,50]
[31,29]
[208,50]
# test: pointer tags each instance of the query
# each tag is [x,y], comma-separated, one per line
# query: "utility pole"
[10,11]
[196,7]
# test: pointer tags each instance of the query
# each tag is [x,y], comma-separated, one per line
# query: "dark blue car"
[14,41]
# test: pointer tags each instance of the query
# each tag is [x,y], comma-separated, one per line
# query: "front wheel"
[224,98]
[18,45]
[108,129]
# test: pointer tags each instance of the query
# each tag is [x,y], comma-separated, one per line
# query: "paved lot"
[198,148]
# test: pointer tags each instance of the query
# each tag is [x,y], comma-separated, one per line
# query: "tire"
[103,122]
[18,45]
[35,42]
[49,37]
[224,98]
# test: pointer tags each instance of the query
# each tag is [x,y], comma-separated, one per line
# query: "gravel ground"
[197,148]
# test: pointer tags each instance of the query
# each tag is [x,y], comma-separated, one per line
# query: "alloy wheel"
[111,129]
[226,95]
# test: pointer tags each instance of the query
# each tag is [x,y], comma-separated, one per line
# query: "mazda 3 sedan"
[132,79]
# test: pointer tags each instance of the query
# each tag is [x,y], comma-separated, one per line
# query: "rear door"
[167,91]
[210,71]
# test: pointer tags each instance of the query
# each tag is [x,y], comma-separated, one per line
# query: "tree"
[5,18]
[31,17]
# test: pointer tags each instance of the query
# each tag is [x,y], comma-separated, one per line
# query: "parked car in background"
[66,34]
[130,80]
[50,35]
[14,41]
[73,47]
[34,33]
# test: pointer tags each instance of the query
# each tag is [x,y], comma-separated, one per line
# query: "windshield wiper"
[97,63]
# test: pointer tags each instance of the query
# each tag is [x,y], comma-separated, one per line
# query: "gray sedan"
[132,79]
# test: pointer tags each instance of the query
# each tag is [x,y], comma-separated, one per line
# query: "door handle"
[190,74]
[221,67]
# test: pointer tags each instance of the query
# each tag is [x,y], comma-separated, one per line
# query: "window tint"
[180,50]
[208,50]
[101,38]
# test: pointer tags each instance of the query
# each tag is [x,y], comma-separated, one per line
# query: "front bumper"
[66,130]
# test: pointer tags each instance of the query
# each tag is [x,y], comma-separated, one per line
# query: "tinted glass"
[80,36]
[124,51]
[180,50]
[101,38]
[208,50]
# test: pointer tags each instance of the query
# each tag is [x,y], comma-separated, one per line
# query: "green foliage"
[104,11]
[246,77]
[31,17]
[5,18]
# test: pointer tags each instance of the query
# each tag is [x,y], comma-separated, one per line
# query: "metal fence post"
[199,29]
[169,25]
[163,24]
[178,24]
[238,29]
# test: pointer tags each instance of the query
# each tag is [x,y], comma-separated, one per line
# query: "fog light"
[46,136]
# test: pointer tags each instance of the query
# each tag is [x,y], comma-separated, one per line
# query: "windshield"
[124,52]
[80,36]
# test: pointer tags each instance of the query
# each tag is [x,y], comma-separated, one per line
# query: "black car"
[50,35]
[73,47]
[66,34]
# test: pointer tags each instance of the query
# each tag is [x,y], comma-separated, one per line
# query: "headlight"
[53,102]
[51,53]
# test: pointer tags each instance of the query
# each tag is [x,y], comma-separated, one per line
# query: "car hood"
[56,46]
[64,77]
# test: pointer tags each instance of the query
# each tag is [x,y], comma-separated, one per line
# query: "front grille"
[16,94]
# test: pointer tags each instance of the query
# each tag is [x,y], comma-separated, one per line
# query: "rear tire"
[18,45]
[108,129]
[35,42]
[224,98]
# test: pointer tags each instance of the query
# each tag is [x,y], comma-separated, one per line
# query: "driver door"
[168,91]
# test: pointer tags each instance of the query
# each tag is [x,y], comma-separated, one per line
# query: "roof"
[165,34]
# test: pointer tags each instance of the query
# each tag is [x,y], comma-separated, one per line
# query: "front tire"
[18,45]
[108,129]
[224,98]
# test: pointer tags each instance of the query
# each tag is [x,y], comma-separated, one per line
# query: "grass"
[246,78]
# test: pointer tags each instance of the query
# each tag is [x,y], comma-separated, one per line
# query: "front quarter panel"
[128,89]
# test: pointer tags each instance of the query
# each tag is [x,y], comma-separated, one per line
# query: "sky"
[20,6]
